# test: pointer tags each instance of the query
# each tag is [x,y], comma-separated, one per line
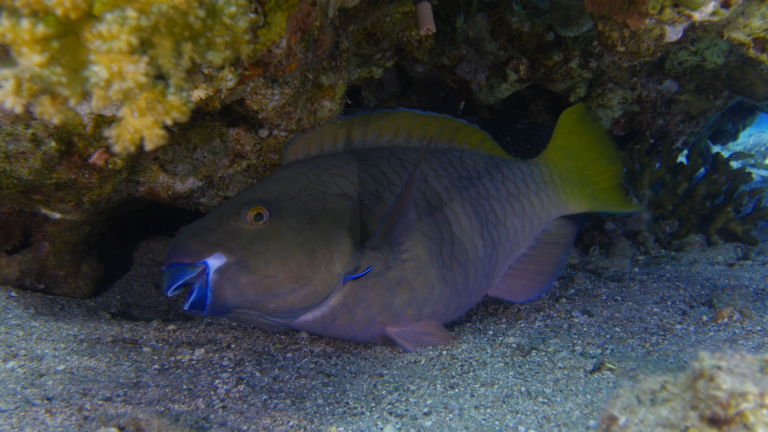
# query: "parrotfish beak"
[199,275]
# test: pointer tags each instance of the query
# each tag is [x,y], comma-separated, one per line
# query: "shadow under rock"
[138,295]
[140,234]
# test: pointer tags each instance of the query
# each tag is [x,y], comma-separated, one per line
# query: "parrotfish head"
[269,254]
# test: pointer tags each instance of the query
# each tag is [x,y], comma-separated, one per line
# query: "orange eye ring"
[258,215]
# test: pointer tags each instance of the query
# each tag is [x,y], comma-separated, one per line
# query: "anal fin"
[420,334]
[534,272]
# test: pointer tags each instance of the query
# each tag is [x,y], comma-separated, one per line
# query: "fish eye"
[258,215]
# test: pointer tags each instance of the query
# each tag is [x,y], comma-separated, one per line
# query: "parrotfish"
[382,227]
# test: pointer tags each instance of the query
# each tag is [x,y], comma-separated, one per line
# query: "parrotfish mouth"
[198,274]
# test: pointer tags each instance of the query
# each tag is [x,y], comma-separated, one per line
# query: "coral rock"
[726,392]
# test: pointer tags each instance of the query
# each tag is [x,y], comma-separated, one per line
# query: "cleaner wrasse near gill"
[381,227]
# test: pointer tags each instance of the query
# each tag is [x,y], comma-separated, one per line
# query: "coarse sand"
[132,360]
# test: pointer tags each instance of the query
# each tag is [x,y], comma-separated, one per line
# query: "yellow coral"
[136,53]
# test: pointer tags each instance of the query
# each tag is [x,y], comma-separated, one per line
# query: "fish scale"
[382,227]
[470,277]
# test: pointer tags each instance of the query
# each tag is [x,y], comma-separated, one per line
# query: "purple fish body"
[376,236]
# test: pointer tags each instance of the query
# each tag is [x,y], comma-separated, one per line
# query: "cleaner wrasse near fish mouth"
[381,227]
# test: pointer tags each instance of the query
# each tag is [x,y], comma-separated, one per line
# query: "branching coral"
[712,205]
[134,53]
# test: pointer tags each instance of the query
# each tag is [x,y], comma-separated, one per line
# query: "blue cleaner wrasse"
[383,226]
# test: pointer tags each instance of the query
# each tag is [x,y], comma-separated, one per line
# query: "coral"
[489,80]
[252,81]
[640,30]
[488,51]
[510,46]
[150,63]
[748,27]
[633,13]
[377,40]
[45,169]
[569,17]
[51,255]
[56,202]
[425,17]
[728,126]
[682,203]
[702,51]
[134,53]
[744,73]
[273,26]
[721,392]
[67,176]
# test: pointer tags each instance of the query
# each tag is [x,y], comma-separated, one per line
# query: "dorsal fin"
[391,128]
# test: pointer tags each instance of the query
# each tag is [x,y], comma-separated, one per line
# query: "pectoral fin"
[534,272]
[391,235]
[420,334]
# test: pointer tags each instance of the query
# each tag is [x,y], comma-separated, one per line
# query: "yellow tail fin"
[588,161]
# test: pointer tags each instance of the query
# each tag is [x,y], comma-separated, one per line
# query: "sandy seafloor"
[130,360]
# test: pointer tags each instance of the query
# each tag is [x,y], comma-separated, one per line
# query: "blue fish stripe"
[348,278]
